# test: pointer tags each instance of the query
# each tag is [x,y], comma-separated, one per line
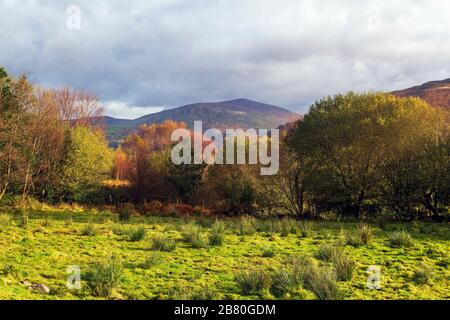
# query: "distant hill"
[436,93]
[233,114]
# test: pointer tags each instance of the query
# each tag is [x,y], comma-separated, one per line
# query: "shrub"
[153,259]
[194,235]
[284,281]
[424,274]
[137,234]
[253,281]
[268,253]
[217,234]
[102,278]
[400,239]
[246,226]
[89,230]
[162,243]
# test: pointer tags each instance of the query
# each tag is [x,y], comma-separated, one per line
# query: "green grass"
[53,241]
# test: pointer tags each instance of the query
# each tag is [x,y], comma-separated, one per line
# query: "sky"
[142,56]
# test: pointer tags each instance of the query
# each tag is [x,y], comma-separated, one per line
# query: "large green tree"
[351,140]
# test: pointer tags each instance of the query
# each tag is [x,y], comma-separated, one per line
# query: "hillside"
[436,93]
[239,113]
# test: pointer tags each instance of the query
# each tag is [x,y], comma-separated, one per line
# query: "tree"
[349,138]
[88,163]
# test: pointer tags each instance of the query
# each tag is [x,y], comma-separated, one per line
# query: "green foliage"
[424,274]
[268,253]
[125,213]
[217,233]
[162,243]
[152,259]
[400,239]
[286,281]
[194,235]
[89,230]
[363,236]
[88,163]
[246,226]
[5,220]
[322,282]
[102,278]
[253,281]
[136,234]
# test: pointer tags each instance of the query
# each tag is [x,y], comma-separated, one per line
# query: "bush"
[102,278]
[253,281]
[400,239]
[424,274]
[217,234]
[194,235]
[152,260]
[162,243]
[89,230]
[246,226]
[137,234]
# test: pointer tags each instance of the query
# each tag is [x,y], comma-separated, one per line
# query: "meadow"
[154,257]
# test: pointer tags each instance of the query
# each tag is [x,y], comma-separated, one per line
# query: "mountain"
[436,93]
[232,114]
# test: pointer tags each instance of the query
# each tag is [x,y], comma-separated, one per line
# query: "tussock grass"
[400,239]
[136,234]
[194,235]
[253,281]
[102,278]
[217,234]
[162,243]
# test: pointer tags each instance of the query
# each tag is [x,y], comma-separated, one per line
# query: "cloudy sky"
[142,56]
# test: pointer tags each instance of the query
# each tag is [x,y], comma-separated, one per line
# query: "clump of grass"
[327,252]
[194,235]
[102,278]
[344,267]
[24,218]
[305,229]
[364,236]
[253,281]
[322,282]
[286,281]
[136,234]
[424,274]
[287,226]
[68,222]
[118,229]
[46,222]
[152,260]
[125,213]
[400,239]
[217,234]
[162,243]
[5,220]
[268,253]
[89,230]
[246,226]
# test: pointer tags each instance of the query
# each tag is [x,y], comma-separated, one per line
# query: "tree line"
[355,154]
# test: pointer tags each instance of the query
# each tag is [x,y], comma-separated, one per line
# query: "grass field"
[209,261]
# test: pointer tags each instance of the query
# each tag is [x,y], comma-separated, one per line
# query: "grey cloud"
[172,52]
